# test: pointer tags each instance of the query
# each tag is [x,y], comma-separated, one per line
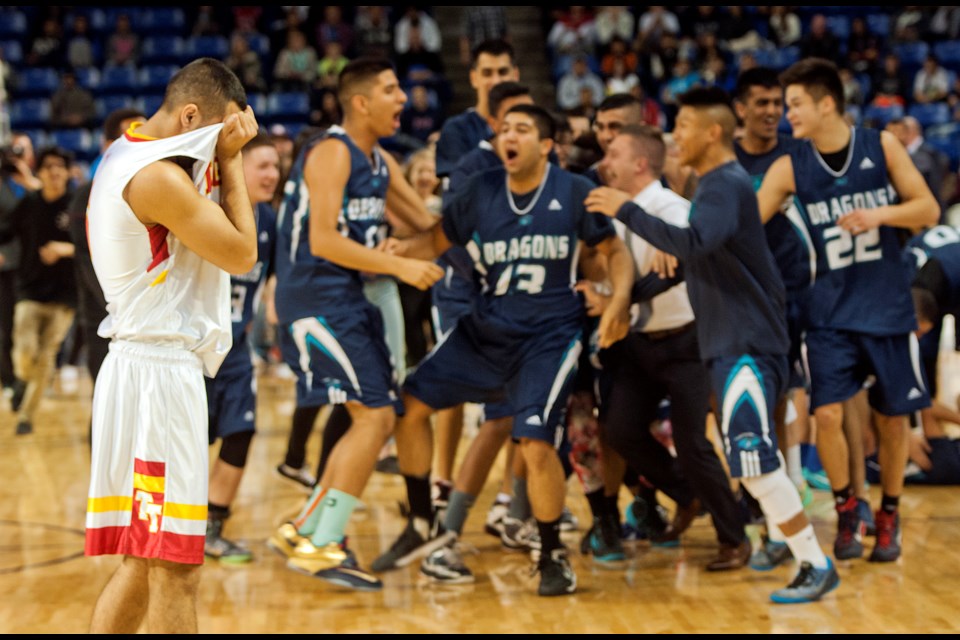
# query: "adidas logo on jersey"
[867,164]
[555,205]
[914,394]
[534,421]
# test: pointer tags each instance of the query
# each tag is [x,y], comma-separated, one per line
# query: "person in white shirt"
[660,357]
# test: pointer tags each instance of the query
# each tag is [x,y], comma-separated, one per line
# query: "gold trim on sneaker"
[285,539]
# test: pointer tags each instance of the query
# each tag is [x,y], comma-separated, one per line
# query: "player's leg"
[122,605]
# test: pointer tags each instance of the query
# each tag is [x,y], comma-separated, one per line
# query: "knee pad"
[777,495]
[234,449]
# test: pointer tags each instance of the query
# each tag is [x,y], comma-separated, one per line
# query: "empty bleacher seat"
[912,55]
[88,78]
[36,81]
[11,51]
[13,24]
[930,114]
[105,104]
[948,53]
[29,113]
[157,20]
[879,24]
[162,50]
[80,141]
[151,104]
[879,115]
[287,107]
[259,44]
[154,77]
[117,80]
[206,47]
[839,25]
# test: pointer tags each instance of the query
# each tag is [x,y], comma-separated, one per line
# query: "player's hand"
[859,220]
[920,450]
[238,130]
[421,274]
[606,200]
[664,264]
[614,325]
[593,301]
[51,252]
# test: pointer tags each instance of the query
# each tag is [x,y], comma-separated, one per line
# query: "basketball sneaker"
[603,541]
[889,537]
[334,563]
[520,535]
[285,539]
[769,555]
[849,542]
[643,521]
[300,477]
[495,517]
[556,575]
[217,547]
[809,585]
[445,565]
[409,546]
[866,514]
[568,521]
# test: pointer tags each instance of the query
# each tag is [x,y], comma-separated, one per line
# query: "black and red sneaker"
[889,537]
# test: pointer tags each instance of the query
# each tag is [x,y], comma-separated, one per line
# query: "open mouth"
[511,154]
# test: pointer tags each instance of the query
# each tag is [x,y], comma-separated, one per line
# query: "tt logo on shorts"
[149,510]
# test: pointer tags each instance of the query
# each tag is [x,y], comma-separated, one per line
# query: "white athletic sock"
[805,547]
[795,465]
[774,533]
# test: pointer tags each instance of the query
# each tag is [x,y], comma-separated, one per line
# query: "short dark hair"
[705,97]
[113,121]
[208,83]
[357,74]
[819,77]
[503,91]
[546,125]
[493,47]
[259,140]
[765,77]
[55,152]
[619,101]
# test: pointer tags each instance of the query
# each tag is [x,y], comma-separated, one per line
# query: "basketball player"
[231,395]
[855,186]
[738,297]
[524,225]
[331,224]
[169,219]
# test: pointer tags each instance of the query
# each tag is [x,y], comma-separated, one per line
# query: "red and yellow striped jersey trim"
[111,503]
[133,136]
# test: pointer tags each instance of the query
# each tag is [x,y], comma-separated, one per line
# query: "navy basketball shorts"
[452,297]
[534,375]
[747,388]
[231,402]
[840,362]
[341,358]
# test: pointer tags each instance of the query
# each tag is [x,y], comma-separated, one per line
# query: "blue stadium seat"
[162,50]
[151,104]
[88,78]
[839,25]
[118,80]
[154,77]
[930,114]
[105,104]
[948,53]
[96,20]
[879,24]
[912,55]
[37,81]
[259,44]
[879,116]
[286,105]
[207,46]
[259,103]
[13,24]
[12,52]
[29,113]
[161,20]
[80,141]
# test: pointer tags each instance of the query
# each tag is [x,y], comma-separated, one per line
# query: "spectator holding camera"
[16,180]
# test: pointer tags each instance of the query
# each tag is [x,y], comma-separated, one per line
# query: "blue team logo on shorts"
[748,442]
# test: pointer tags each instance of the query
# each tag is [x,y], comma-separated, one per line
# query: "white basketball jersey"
[157,290]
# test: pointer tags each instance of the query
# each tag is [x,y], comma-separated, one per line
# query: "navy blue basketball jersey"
[785,239]
[525,247]
[940,243]
[458,137]
[734,286]
[308,285]
[861,282]
[245,289]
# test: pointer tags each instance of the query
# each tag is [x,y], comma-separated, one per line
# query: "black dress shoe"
[731,557]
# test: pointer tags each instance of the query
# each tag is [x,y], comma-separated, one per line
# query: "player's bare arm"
[917,208]
[404,201]
[615,319]
[326,173]
[778,185]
